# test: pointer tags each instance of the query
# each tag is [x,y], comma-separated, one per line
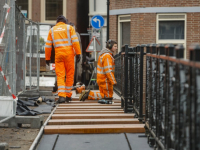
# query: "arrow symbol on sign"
[95,20]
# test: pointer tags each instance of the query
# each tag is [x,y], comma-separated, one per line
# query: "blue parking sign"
[97,21]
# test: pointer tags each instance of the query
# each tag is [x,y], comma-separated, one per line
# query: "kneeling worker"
[105,74]
[65,41]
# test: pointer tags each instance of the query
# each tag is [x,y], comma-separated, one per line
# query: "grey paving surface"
[47,142]
[138,143]
[92,142]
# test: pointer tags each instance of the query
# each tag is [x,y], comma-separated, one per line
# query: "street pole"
[108,4]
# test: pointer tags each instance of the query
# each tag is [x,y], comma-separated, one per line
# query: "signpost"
[97,21]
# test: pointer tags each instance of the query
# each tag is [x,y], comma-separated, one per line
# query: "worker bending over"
[65,41]
[105,74]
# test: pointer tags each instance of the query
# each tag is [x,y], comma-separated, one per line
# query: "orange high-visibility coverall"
[80,89]
[64,39]
[105,76]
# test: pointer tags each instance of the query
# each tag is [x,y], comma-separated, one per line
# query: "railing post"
[141,83]
[147,105]
[194,56]
[122,77]
[196,82]
[179,51]
[126,79]
[131,77]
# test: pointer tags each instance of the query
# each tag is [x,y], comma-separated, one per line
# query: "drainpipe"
[108,4]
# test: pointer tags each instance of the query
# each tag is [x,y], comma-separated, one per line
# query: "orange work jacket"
[64,39]
[105,69]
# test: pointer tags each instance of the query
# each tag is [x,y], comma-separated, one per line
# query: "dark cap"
[61,18]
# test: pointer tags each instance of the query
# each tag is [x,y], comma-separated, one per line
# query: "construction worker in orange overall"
[65,41]
[105,74]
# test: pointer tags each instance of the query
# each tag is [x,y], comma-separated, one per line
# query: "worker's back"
[61,38]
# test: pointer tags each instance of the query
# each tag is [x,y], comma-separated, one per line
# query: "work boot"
[109,99]
[68,99]
[84,95]
[61,99]
[103,101]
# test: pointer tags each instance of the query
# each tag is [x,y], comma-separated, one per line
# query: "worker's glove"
[47,62]
[78,58]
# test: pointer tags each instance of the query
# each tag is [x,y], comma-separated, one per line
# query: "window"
[51,9]
[123,30]
[171,28]
[25,5]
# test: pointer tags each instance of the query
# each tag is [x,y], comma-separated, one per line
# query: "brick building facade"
[143,20]
[145,16]
[37,11]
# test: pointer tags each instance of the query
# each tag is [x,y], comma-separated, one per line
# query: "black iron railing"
[129,76]
[170,97]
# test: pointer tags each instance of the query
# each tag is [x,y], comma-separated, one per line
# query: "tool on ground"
[102,101]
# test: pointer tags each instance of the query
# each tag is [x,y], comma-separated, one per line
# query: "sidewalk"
[94,142]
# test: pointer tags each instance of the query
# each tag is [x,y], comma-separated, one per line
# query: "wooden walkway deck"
[91,117]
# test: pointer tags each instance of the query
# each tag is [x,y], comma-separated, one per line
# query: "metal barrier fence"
[32,55]
[19,56]
[172,99]
[20,50]
[7,46]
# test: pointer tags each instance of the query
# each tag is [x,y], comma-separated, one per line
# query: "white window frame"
[43,11]
[120,28]
[172,41]
[30,9]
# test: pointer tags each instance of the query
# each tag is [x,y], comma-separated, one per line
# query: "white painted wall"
[101,7]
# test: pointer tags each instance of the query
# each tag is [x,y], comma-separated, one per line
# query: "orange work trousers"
[64,65]
[104,92]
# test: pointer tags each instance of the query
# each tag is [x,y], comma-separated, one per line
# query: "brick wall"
[36,10]
[113,29]
[143,28]
[72,11]
[122,4]
[143,25]
[193,29]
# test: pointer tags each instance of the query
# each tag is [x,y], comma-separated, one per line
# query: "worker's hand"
[47,62]
[78,58]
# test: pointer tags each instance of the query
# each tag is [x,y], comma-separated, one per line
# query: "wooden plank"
[77,99]
[92,121]
[90,107]
[88,101]
[67,109]
[94,129]
[91,116]
[88,104]
[88,112]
